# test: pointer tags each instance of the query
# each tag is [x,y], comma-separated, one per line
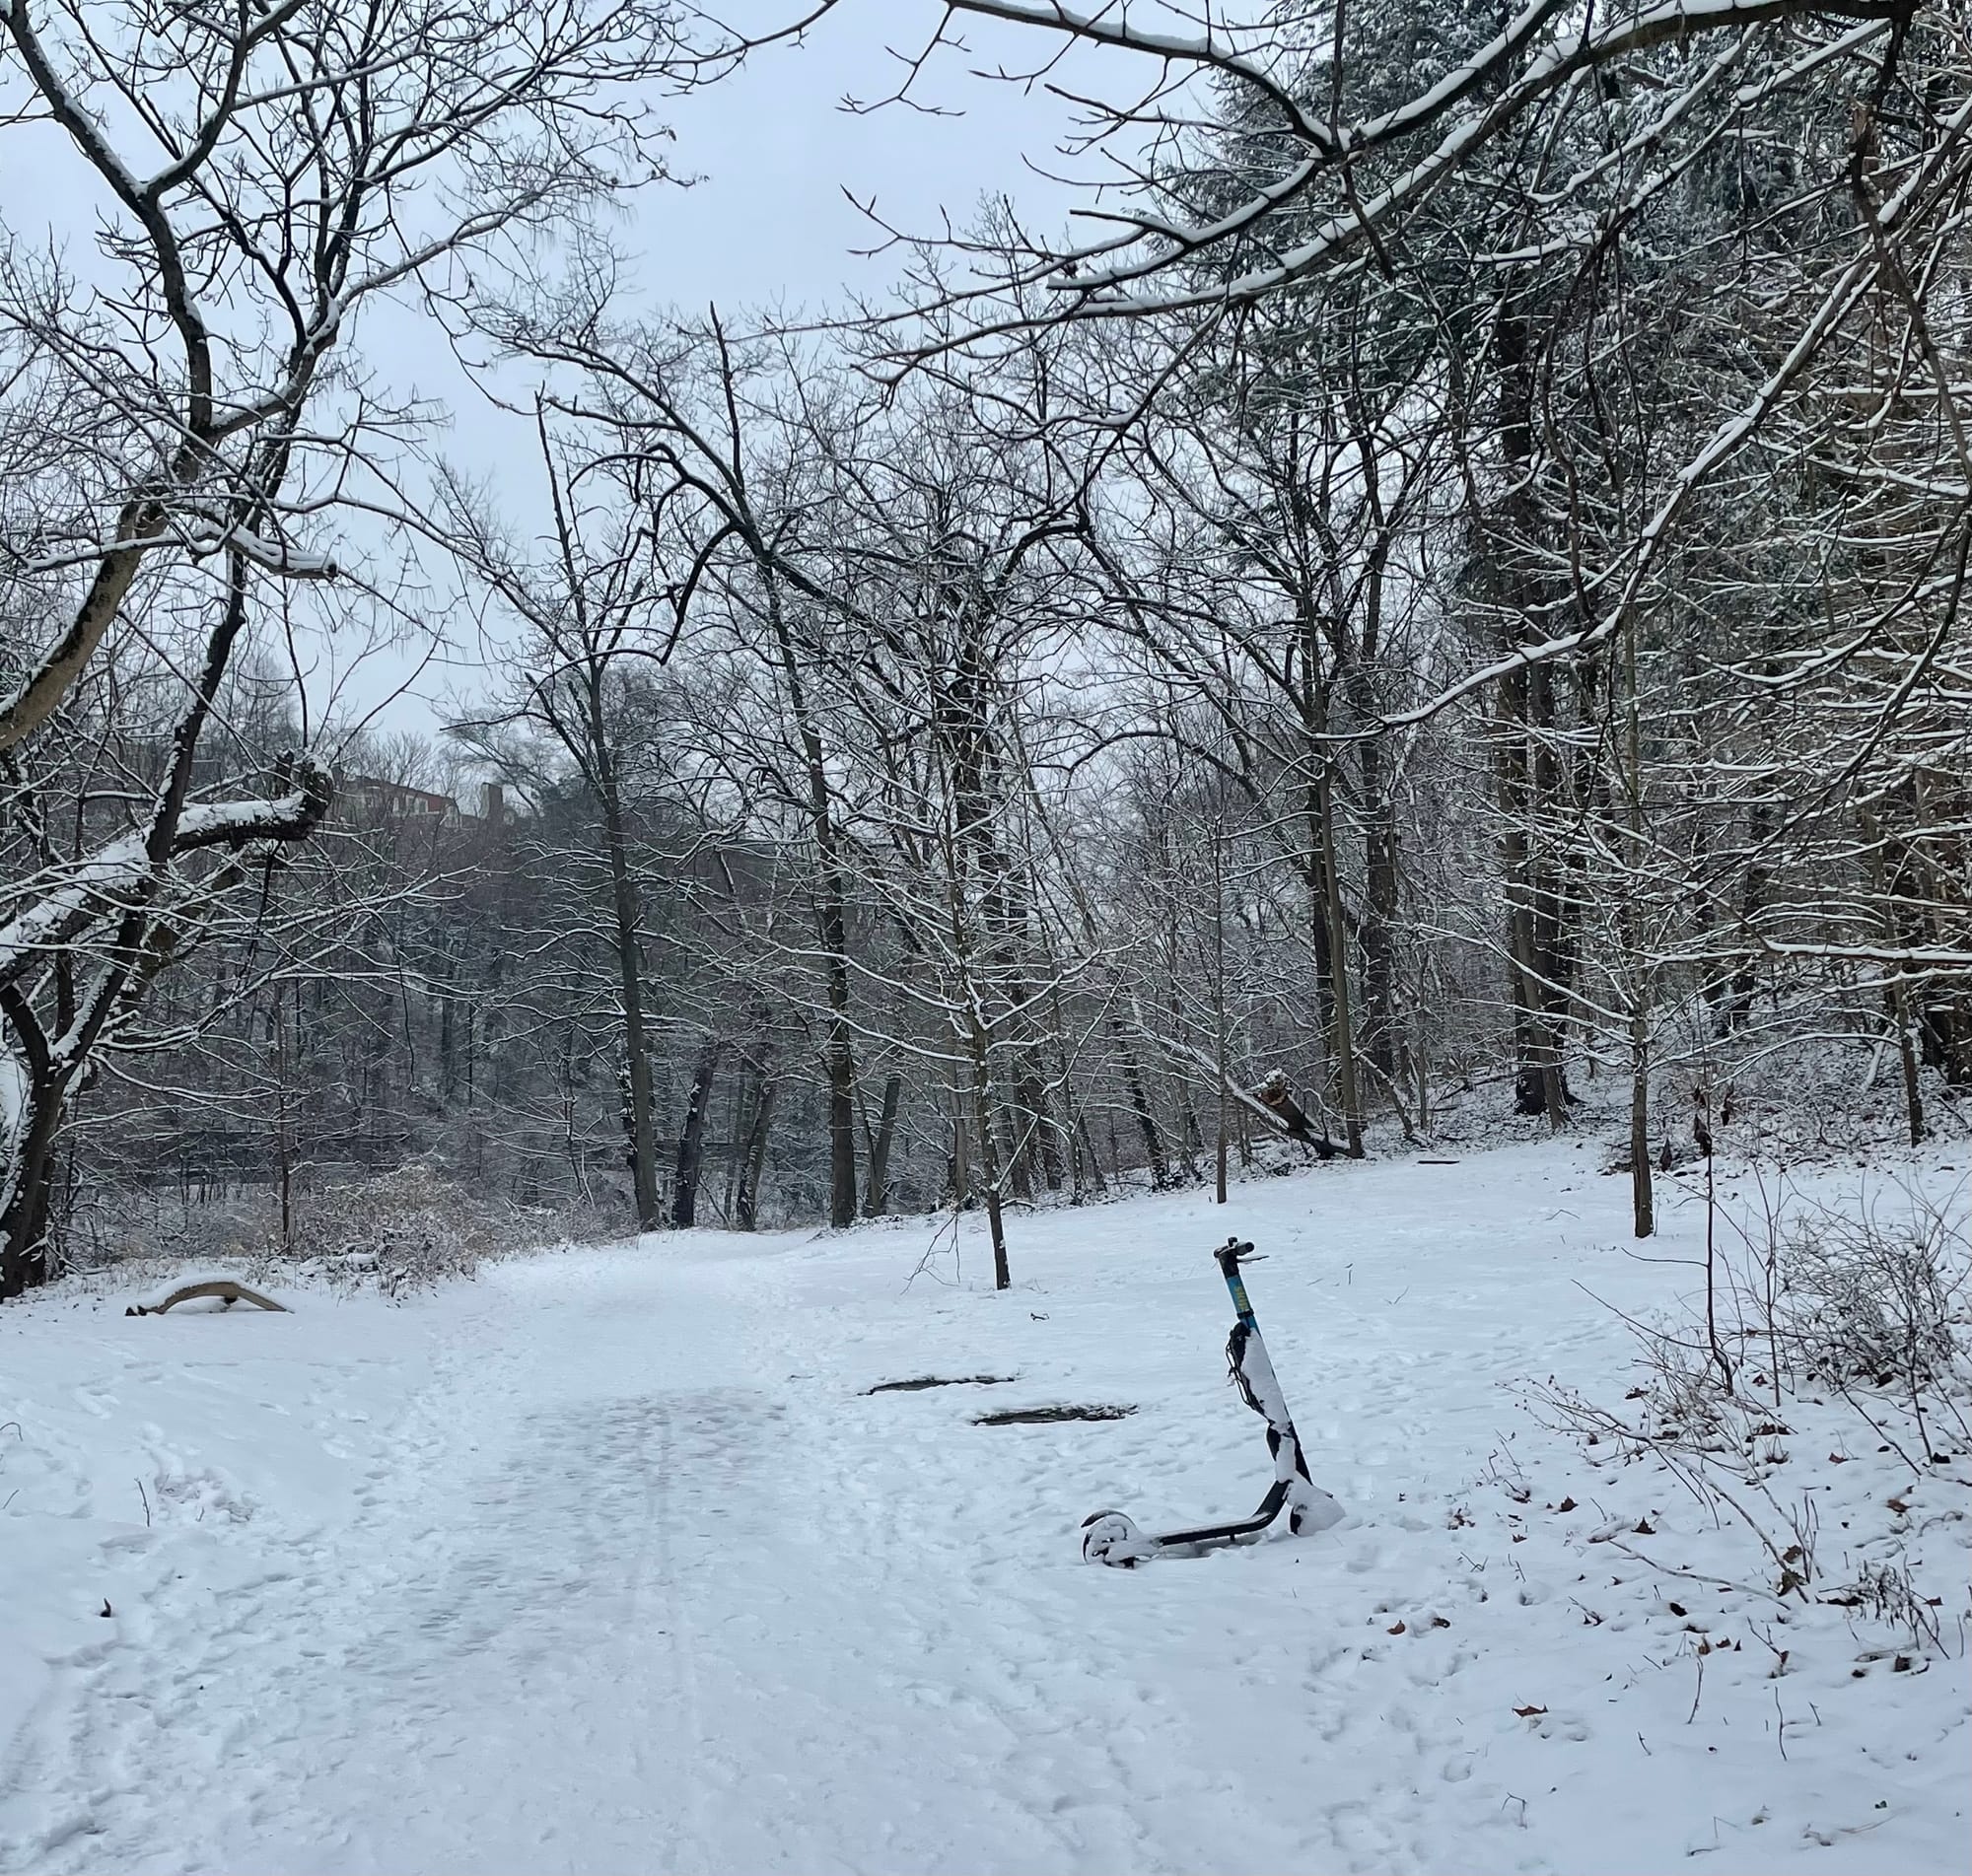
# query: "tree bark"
[755,1158]
[1908,1059]
[625,913]
[24,1207]
[876,1192]
[143,946]
[691,1138]
[1139,1106]
[1524,770]
[1222,1142]
[1088,1162]
[1643,1199]
[831,915]
[989,1160]
[1348,1082]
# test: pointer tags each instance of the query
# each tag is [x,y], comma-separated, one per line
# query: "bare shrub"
[413,1229]
[1863,1303]
[1886,1592]
[1872,1300]
[397,1232]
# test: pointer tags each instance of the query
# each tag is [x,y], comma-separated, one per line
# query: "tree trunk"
[1277,1094]
[284,1138]
[831,923]
[142,947]
[996,1225]
[877,1193]
[691,1138]
[840,1065]
[1147,1122]
[1041,1143]
[1380,1022]
[1223,1143]
[961,1156]
[1348,1082]
[1524,768]
[626,913]
[1192,1136]
[1015,1148]
[1642,1204]
[1907,1057]
[25,1203]
[1088,1162]
[1643,1200]
[1539,1086]
[755,1158]
[983,1105]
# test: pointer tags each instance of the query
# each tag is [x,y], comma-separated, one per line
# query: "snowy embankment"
[608,1562]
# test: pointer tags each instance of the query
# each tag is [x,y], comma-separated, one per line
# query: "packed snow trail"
[608,1562]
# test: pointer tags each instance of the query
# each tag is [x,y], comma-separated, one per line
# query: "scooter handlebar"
[1232,1253]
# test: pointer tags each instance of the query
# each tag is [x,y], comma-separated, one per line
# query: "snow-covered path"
[608,1562]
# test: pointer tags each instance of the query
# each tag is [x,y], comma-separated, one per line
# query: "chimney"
[492,803]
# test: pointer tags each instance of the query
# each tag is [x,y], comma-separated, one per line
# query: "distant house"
[369,799]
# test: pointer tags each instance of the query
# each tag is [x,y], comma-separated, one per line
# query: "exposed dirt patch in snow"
[1046,1416]
[924,1381]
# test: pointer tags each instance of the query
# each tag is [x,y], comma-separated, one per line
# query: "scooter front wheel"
[1112,1538]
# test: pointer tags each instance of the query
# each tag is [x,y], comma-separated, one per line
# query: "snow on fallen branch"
[227,1289]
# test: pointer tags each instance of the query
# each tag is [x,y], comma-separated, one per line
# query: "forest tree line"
[1455,594]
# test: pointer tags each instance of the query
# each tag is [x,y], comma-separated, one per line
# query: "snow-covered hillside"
[608,1560]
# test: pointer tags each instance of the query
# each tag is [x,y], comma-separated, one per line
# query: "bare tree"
[206,437]
[600,605]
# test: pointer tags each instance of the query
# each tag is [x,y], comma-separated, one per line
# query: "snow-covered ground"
[608,1562]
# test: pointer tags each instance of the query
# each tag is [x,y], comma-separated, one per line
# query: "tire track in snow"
[417,1691]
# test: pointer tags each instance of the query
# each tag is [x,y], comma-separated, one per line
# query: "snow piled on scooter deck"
[610,1560]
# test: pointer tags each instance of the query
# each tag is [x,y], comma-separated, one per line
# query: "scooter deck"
[1269,1510]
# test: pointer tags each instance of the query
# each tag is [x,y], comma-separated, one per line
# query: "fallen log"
[225,1288]
[1273,1100]
[1276,1092]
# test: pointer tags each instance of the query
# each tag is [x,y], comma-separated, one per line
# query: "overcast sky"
[778,151]
[768,220]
